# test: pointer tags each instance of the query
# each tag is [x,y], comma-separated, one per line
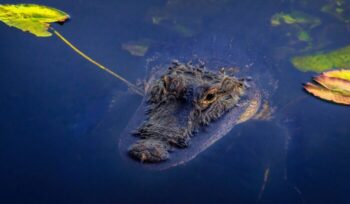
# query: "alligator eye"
[209,97]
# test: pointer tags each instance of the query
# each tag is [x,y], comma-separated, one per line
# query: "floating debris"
[136,48]
[266,178]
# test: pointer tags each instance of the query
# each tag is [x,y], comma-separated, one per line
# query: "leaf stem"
[134,88]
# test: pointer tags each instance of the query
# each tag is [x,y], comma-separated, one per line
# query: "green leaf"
[33,18]
[321,62]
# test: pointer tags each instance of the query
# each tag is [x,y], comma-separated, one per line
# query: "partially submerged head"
[182,100]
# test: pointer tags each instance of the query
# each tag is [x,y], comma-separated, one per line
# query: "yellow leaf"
[36,19]
[33,18]
[327,94]
[341,74]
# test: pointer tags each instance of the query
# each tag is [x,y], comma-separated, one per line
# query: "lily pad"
[341,74]
[332,86]
[33,18]
[322,62]
[36,19]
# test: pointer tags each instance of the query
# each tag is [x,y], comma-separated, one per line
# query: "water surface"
[60,117]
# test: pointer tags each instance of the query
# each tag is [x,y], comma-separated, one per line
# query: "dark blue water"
[60,117]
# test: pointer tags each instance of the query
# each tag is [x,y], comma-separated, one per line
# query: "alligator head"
[181,101]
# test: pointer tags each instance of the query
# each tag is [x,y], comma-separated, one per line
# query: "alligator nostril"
[172,86]
[187,93]
[150,150]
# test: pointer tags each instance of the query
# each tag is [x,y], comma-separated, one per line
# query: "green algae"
[185,17]
[295,17]
[304,36]
[339,9]
[298,27]
[339,58]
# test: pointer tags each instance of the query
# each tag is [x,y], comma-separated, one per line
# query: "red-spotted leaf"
[332,86]
[327,94]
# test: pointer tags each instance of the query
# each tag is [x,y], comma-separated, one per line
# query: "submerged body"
[180,104]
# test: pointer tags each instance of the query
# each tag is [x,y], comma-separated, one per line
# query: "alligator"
[181,103]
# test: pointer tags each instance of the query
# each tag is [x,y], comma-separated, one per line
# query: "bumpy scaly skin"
[183,99]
